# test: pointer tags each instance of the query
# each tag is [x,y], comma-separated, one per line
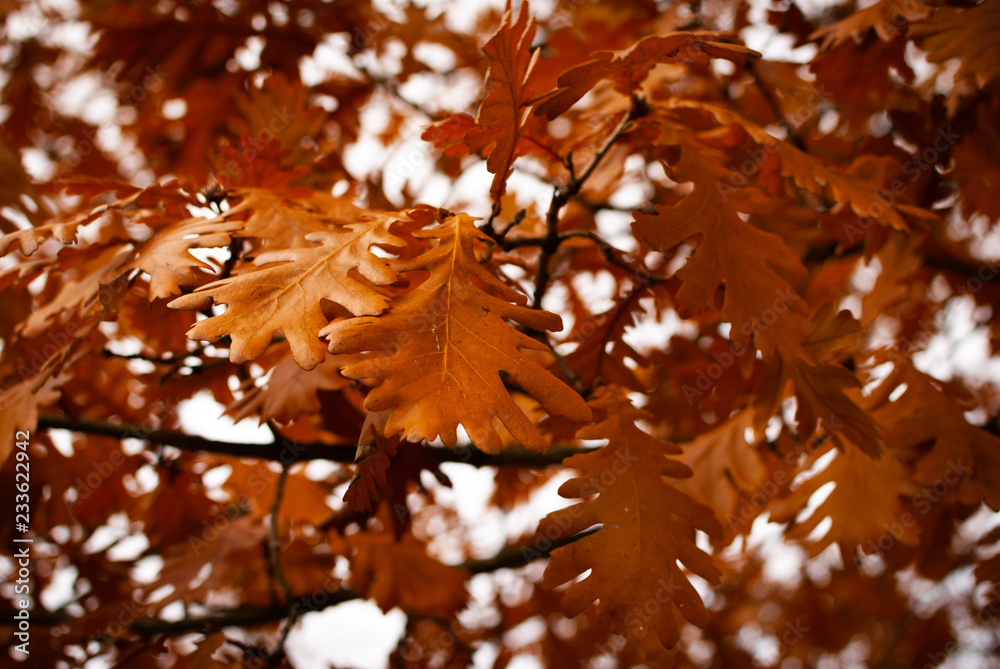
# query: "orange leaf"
[290,391]
[166,256]
[647,525]
[968,33]
[820,391]
[750,262]
[285,291]
[724,465]
[867,500]
[628,68]
[500,115]
[403,574]
[448,134]
[887,17]
[446,344]
[857,186]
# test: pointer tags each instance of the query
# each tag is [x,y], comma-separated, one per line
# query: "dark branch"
[243,616]
[772,102]
[288,452]
[559,199]
[250,615]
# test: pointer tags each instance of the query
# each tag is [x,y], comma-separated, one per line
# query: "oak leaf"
[629,67]
[858,186]
[282,218]
[446,344]
[155,205]
[725,465]
[751,263]
[19,406]
[963,456]
[501,115]
[401,573]
[286,290]
[166,256]
[602,352]
[826,397]
[289,392]
[868,498]
[647,526]
[967,33]
[887,18]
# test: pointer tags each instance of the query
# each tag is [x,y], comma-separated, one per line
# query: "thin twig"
[539,547]
[772,102]
[275,544]
[518,219]
[275,656]
[560,197]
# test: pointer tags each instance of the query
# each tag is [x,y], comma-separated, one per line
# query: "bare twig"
[772,102]
[559,199]
[275,544]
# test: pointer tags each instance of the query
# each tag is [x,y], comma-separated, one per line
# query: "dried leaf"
[444,346]
[630,563]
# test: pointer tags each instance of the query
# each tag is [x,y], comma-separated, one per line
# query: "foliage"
[725,302]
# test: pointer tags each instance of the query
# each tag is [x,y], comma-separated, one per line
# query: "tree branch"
[274,546]
[772,102]
[249,615]
[289,452]
[245,616]
[559,199]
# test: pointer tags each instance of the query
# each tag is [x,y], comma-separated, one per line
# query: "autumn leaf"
[400,573]
[725,466]
[968,34]
[501,113]
[929,412]
[887,18]
[285,290]
[449,134]
[93,283]
[825,399]
[167,259]
[279,219]
[602,352]
[861,186]
[868,498]
[290,391]
[19,407]
[647,526]
[751,263]
[154,206]
[628,68]
[445,344]
[373,459]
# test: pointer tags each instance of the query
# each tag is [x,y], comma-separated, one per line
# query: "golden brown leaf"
[628,68]
[631,563]
[444,346]
[286,290]
[501,112]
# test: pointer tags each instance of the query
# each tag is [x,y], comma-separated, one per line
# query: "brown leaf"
[753,265]
[501,113]
[628,68]
[445,344]
[401,573]
[285,290]
[647,526]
